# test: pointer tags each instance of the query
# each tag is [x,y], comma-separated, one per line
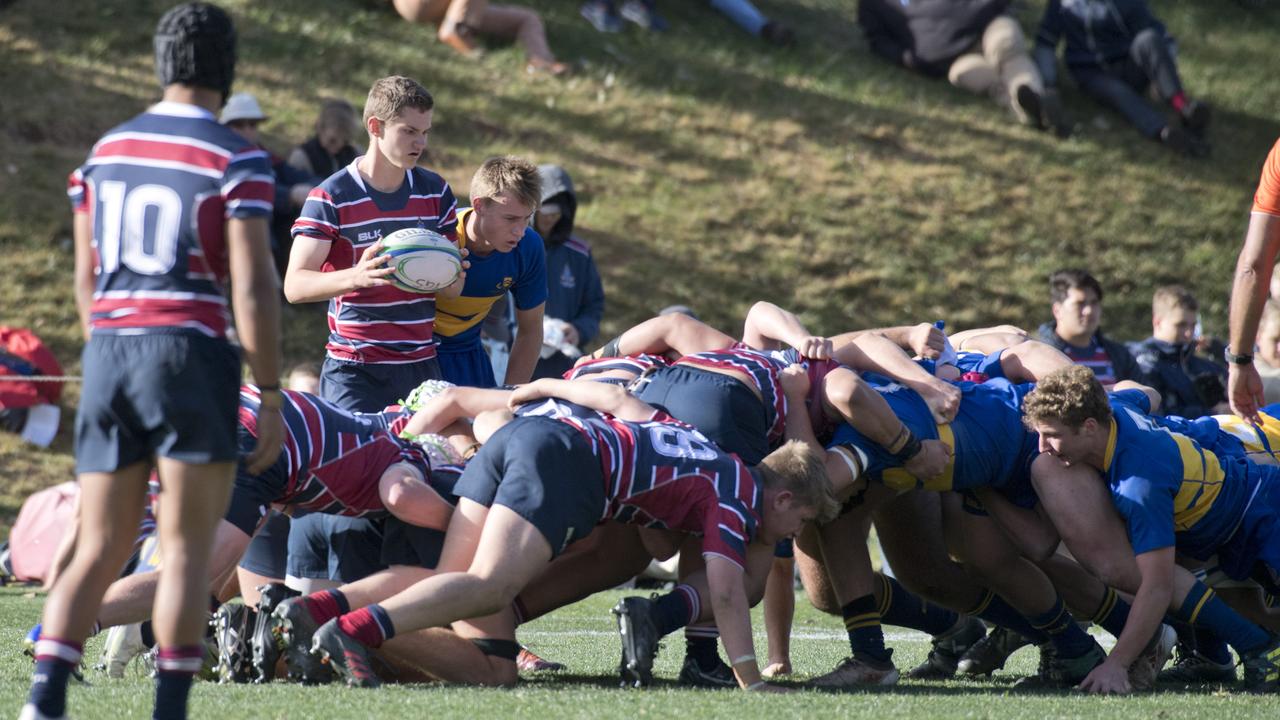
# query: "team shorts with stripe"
[167,395]
[412,545]
[543,470]
[467,365]
[367,387]
[719,406]
[334,547]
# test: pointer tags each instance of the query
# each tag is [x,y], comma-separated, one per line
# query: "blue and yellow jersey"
[522,271]
[990,446]
[1229,436]
[1171,491]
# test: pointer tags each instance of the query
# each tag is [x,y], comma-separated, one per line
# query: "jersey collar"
[177,109]
[1109,455]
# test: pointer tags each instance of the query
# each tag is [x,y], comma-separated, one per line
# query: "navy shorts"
[1253,551]
[362,387]
[175,396]
[545,471]
[252,495]
[405,544]
[721,407]
[466,365]
[334,547]
[268,551]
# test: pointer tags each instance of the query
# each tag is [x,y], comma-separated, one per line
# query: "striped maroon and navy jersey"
[334,458]
[817,370]
[158,190]
[377,325]
[635,364]
[663,473]
[764,371]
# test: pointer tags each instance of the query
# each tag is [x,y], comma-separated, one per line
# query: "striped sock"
[678,608]
[55,659]
[993,608]
[862,622]
[176,667]
[901,607]
[702,643]
[1067,637]
[1202,608]
[371,625]
[326,605]
[1112,613]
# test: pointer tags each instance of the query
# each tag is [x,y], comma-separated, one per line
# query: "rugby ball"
[422,260]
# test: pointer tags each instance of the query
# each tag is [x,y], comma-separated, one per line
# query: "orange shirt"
[1267,199]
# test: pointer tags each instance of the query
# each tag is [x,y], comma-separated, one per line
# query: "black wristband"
[269,388]
[1235,359]
[909,449]
[610,348]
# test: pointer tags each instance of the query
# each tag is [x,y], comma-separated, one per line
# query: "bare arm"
[256,303]
[407,495]
[768,326]
[733,619]
[675,333]
[1248,295]
[528,342]
[601,397]
[923,339]
[82,231]
[875,352]
[1153,397]
[306,281]
[1150,604]
[452,404]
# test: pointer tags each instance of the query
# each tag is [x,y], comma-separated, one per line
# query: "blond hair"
[1171,297]
[390,96]
[1068,395]
[799,469]
[507,173]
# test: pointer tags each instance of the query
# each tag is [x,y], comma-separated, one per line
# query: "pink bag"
[44,518]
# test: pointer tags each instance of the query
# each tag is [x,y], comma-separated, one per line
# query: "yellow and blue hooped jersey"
[1171,490]
[990,445]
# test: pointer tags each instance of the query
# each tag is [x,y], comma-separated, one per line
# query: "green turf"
[583,638]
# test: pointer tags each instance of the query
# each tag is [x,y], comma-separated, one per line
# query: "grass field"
[584,638]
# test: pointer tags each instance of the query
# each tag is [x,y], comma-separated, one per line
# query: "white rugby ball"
[422,260]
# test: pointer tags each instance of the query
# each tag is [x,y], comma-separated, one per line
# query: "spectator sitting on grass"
[1189,385]
[329,149]
[460,22]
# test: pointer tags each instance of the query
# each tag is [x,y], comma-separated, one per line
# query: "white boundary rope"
[41,378]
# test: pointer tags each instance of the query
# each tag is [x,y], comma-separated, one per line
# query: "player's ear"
[783,499]
[374,126]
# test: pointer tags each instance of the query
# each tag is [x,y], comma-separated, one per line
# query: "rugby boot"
[1262,668]
[123,644]
[854,671]
[348,657]
[948,648]
[1146,667]
[294,629]
[232,624]
[1192,668]
[265,641]
[991,652]
[529,661]
[718,676]
[1057,672]
[639,640]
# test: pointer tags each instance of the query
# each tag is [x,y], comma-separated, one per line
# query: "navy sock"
[996,611]
[862,622]
[676,609]
[899,606]
[55,659]
[1212,647]
[1112,614]
[1204,609]
[702,643]
[175,669]
[1067,637]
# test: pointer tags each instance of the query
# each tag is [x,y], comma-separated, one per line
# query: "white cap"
[241,106]
[42,424]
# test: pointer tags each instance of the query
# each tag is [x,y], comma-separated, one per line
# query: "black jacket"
[1189,385]
[926,35]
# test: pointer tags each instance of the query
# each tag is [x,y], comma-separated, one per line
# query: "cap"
[241,106]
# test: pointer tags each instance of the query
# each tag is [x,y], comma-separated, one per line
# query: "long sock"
[901,607]
[1112,613]
[676,609]
[866,636]
[993,608]
[1204,609]
[1067,637]
[702,643]
[175,669]
[370,625]
[1211,646]
[326,605]
[148,634]
[55,659]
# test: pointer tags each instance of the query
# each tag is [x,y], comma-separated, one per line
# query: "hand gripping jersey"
[158,190]
[377,325]
[990,446]
[763,369]
[663,473]
[332,459]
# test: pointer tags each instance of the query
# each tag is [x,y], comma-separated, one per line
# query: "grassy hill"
[714,170]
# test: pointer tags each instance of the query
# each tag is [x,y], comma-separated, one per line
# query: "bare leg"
[524,26]
[612,554]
